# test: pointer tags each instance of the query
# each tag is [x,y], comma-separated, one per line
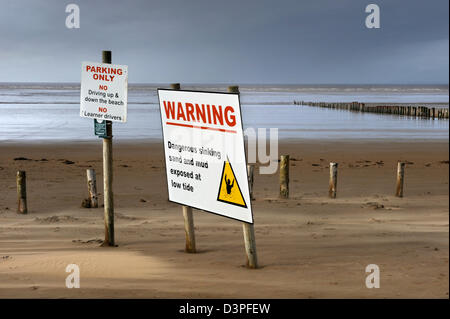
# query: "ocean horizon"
[34,112]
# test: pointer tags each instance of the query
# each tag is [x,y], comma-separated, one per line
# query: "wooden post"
[189,229]
[250,169]
[333,180]
[284,176]
[21,180]
[250,245]
[92,187]
[187,211]
[175,86]
[248,229]
[400,178]
[108,177]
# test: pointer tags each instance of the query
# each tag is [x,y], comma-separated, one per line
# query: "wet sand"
[309,246]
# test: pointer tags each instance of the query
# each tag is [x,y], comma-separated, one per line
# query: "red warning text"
[103,73]
[200,113]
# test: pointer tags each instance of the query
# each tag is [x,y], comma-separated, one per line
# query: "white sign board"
[104,91]
[204,151]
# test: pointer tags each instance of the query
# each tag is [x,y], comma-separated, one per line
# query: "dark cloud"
[246,41]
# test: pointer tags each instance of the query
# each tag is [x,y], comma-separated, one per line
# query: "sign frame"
[86,86]
[243,141]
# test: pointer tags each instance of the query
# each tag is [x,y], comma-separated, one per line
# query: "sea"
[49,112]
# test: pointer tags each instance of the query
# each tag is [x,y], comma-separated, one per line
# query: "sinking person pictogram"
[229,190]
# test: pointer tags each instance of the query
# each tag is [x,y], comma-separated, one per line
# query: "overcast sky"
[232,41]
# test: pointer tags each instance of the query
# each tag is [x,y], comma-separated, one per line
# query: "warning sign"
[229,190]
[204,152]
[104,91]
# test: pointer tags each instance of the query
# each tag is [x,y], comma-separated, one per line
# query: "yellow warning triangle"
[229,190]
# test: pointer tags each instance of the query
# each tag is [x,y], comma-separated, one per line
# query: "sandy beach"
[309,246]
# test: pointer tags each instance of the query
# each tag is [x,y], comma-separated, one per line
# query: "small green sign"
[101,128]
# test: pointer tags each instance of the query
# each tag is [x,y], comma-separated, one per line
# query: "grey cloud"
[234,41]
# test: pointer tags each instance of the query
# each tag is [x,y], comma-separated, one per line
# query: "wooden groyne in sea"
[413,111]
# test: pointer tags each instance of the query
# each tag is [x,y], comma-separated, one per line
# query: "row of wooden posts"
[187,211]
[413,111]
[21,181]
[332,189]
[248,229]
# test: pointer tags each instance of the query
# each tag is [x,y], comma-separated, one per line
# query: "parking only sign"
[204,152]
[104,91]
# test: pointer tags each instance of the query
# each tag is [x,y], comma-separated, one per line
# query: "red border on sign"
[201,127]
